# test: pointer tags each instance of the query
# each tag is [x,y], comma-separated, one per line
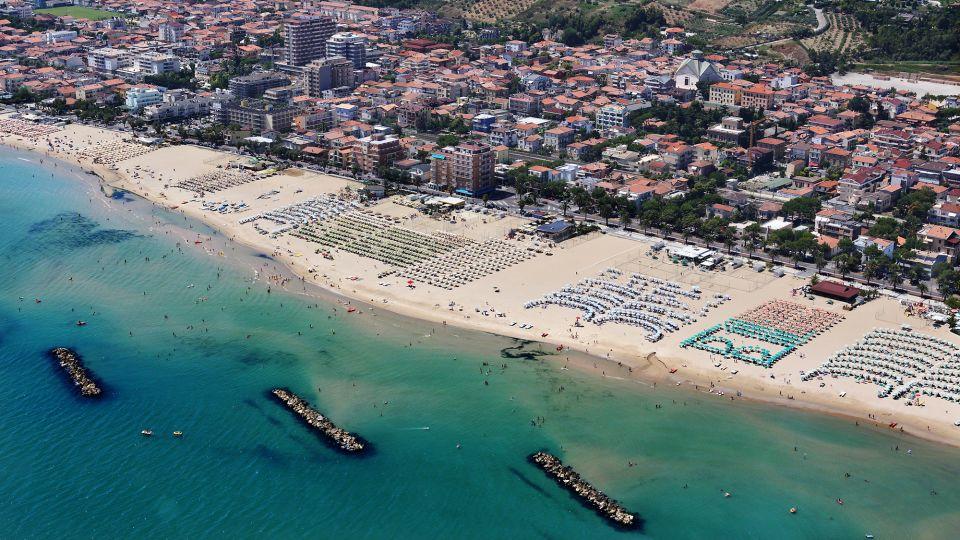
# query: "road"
[513,152]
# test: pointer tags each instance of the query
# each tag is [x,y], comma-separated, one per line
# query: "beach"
[494,301]
[191,338]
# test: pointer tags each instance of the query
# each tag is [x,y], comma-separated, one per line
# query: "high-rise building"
[328,73]
[305,38]
[467,167]
[351,46]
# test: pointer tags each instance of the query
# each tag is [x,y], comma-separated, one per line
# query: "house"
[885,246]
[558,138]
[721,210]
[940,239]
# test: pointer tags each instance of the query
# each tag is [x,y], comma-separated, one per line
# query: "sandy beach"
[493,298]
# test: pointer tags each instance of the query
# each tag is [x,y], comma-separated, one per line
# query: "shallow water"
[200,359]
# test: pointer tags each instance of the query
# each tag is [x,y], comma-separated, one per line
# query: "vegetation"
[79,12]
[899,32]
[179,79]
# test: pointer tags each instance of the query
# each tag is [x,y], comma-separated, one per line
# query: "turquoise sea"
[200,359]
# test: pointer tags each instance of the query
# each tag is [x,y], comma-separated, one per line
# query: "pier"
[73,366]
[588,495]
[340,438]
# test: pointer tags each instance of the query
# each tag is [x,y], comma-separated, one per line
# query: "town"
[455,226]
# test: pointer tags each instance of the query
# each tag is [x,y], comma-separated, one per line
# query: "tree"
[803,208]
[606,211]
[447,139]
[625,218]
[751,236]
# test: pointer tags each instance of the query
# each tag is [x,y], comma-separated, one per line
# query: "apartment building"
[306,38]
[466,167]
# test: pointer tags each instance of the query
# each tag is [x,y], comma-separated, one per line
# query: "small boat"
[674,370]
[793,510]
[559,348]
[81,323]
[839,501]
[37,300]
[146,433]
[178,434]
[351,309]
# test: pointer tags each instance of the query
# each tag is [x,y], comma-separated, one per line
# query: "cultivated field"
[845,35]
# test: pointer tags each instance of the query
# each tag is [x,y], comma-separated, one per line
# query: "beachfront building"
[138,97]
[468,168]
[378,151]
[257,115]
[181,103]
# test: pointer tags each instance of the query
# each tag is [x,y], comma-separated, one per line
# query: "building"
[557,231]
[694,70]
[328,73]
[59,36]
[181,103]
[139,97]
[257,115]
[255,84]
[758,96]
[835,291]
[466,167]
[725,93]
[348,45]
[616,116]
[156,63]
[378,151]
[107,60]
[730,130]
[305,38]
[170,32]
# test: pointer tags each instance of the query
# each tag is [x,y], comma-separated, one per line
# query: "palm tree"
[922,287]
[565,204]
[625,219]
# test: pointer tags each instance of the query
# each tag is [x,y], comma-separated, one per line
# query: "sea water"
[189,337]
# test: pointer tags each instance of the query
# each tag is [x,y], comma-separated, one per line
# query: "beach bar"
[835,291]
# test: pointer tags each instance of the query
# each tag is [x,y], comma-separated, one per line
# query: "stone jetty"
[588,495]
[340,438]
[71,364]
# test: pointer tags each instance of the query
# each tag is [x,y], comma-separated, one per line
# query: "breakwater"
[588,495]
[72,365]
[340,438]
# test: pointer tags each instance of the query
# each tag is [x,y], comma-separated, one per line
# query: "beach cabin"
[557,231]
[835,291]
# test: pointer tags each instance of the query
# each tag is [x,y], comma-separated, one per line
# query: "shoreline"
[639,364]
